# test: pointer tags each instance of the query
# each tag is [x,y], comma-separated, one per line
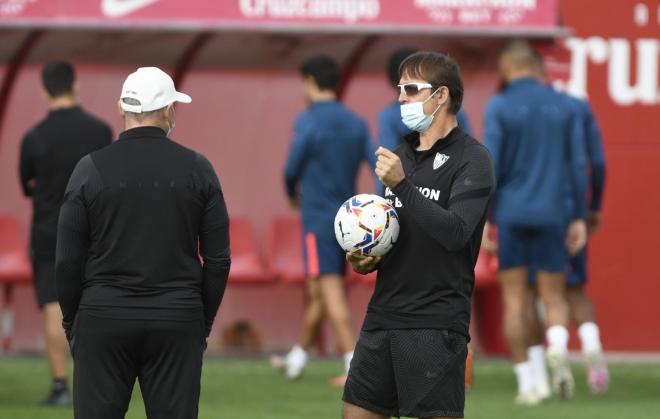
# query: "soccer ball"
[367,224]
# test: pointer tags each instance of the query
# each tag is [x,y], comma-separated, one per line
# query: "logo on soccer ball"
[367,224]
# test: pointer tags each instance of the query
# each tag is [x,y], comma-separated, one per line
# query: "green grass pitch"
[250,389]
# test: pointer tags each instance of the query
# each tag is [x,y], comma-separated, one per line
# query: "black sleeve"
[472,187]
[107,140]
[73,237]
[214,241]
[26,165]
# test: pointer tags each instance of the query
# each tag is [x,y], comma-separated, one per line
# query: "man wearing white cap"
[137,302]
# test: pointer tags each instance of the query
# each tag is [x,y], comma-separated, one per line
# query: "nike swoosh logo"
[119,8]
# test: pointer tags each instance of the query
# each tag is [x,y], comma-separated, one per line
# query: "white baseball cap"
[153,88]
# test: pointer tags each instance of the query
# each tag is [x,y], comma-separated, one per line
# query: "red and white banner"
[615,57]
[530,16]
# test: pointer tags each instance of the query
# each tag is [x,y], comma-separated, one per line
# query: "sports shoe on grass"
[277,362]
[528,398]
[563,383]
[598,376]
[543,391]
[58,398]
[292,364]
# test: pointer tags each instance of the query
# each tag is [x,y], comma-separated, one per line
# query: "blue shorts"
[576,271]
[322,255]
[576,274]
[537,248]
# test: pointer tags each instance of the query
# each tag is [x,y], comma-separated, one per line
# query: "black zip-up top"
[137,216]
[427,279]
[49,152]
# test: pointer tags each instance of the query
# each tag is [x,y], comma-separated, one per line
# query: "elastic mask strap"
[436,109]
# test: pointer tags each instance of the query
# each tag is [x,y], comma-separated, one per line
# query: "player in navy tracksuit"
[330,142]
[391,129]
[580,307]
[538,153]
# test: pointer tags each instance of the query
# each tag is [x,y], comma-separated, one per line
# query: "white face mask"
[413,116]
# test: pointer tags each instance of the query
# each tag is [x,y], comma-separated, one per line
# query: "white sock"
[590,338]
[525,376]
[348,356]
[557,337]
[297,356]
[536,356]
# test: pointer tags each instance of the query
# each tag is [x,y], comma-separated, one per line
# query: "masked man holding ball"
[410,356]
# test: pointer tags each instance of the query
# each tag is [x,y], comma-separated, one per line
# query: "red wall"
[241,120]
[624,274]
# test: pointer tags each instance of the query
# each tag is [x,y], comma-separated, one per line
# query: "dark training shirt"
[427,279]
[49,152]
[136,218]
[537,140]
[595,152]
[392,130]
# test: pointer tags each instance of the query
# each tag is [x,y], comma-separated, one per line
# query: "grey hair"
[140,117]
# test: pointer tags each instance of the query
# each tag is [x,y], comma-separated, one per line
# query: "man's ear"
[75,88]
[119,109]
[169,112]
[310,83]
[443,96]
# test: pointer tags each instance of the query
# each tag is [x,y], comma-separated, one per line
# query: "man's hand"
[362,264]
[388,168]
[293,202]
[576,238]
[594,221]
[488,244]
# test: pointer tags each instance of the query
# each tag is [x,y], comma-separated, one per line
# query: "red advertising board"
[612,60]
[528,16]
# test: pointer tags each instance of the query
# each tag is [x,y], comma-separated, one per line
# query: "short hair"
[438,70]
[141,116]
[539,65]
[58,78]
[395,62]
[519,54]
[324,70]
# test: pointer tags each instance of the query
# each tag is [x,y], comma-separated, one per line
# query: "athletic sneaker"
[598,376]
[562,379]
[292,364]
[278,362]
[528,398]
[58,398]
[543,391]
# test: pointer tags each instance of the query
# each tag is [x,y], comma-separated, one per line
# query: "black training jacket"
[49,152]
[137,216]
[427,279]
